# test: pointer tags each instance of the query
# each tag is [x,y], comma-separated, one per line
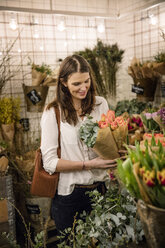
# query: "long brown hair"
[72,64]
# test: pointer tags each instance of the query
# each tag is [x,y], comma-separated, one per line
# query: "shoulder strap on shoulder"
[57,112]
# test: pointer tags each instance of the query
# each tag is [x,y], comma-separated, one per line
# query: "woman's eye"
[76,84]
[87,81]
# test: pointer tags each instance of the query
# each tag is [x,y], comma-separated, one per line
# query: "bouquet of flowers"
[159,118]
[106,136]
[143,173]
[148,118]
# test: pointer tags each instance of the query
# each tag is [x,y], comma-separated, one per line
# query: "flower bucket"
[8,131]
[37,77]
[35,97]
[153,221]
[38,209]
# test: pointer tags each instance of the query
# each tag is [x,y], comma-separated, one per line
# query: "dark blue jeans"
[64,208]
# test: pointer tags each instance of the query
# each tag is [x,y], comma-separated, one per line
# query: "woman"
[80,168]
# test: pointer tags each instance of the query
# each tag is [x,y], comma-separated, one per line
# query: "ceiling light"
[153,19]
[61,26]
[101,28]
[13,23]
[73,36]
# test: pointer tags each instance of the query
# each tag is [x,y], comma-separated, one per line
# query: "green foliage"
[149,123]
[125,173]
[110,224]
[9,110]
[42,68]
[88,132]
[8,237]
[104,60]
[132,107]
[151,167]
[160,57]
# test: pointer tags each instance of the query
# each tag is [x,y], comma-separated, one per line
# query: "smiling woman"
[80,168]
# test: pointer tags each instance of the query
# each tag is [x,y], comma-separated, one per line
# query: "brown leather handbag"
[43,184]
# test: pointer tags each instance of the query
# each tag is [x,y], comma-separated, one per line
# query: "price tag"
[25,123]
[33,209]
[34,96]
[137,89]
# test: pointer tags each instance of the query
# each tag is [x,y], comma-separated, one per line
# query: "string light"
[101,28]
[153,19]
[61,26]
[13,23]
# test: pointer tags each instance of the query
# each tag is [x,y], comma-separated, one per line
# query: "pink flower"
[148,116]
[114,125]
[103,124]
[110,116]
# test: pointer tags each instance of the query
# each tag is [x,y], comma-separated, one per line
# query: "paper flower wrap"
[106,136]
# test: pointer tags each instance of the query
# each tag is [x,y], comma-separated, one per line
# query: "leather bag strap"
[57,112]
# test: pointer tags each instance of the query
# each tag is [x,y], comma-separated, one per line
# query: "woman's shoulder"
[100,100]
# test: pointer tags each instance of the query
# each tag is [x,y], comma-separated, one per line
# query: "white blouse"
[72,148]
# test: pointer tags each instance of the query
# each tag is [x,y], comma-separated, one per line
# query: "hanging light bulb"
[73,36]
[61,26]
[65,44]
[36,33]
[153,20]
[101,28]
[41,47]
[13,23]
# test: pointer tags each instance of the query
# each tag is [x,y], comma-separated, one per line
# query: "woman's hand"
[99,163]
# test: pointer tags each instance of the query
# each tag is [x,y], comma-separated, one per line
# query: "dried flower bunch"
[6,60]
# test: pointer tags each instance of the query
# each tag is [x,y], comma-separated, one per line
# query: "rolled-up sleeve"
[49,140]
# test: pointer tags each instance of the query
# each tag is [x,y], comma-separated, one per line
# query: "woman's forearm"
[68,165]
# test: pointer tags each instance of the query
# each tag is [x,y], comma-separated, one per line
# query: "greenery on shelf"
[9,110]
[132,107]
[160,57]
[111,223]
[43,68]
[104,60]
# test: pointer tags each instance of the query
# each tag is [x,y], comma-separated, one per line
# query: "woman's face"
[78,85]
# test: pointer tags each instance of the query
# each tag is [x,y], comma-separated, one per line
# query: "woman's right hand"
[99,163]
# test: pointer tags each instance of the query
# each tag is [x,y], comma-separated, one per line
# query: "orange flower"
[110,116]
[103,117]
[119,120]
[114,125]
[103,124]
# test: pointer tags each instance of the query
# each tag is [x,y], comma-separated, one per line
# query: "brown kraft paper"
[105,145]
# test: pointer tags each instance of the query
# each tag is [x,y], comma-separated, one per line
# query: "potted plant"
[9,116]
[39,73]
[143,174]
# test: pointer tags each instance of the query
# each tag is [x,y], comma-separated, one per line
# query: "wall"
[126,22]
[51,45]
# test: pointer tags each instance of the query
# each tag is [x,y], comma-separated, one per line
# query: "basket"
[153,221]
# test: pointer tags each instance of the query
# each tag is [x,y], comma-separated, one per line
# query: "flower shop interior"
[124,43]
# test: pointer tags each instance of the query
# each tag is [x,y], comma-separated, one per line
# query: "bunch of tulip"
[106,136]
[143,172]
